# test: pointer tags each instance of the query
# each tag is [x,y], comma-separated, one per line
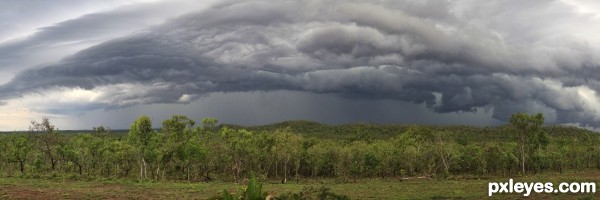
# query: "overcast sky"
[85,63]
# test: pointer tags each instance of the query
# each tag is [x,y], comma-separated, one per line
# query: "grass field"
[25,188]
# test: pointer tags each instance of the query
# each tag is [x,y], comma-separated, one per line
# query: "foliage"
[140,136]
[251,192]
[293,151]
[309,193]
[530,135]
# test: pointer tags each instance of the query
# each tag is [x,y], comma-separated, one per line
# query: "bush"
[309,193]
[252,192]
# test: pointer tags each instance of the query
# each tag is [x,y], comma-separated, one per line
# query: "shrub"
[309,193]
[252,192]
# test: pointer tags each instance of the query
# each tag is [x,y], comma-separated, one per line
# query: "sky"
[85,63]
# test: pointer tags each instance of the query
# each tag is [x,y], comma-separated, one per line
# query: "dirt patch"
[11,192]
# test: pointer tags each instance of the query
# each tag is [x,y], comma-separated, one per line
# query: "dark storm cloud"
[257,108]
[453,56]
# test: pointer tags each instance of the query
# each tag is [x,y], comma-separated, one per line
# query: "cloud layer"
[452,56]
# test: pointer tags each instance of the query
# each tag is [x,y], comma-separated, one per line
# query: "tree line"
[183,150]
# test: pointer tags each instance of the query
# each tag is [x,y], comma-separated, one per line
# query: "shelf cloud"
[451,56]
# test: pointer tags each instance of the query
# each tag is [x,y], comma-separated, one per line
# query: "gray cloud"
[503,56]
[50,42]
[21,15]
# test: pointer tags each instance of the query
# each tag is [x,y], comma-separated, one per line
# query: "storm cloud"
[451,56]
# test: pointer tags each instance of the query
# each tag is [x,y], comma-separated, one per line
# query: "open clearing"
[22,188]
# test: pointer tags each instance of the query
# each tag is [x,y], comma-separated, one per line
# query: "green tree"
[77,151]
[178,128]
[17,150]
[101,130]
[502,157]
[530,135]
[176,145]
[446,151]
[323,157]
[473,159]
[47,139]
[194,152]
[241,148]
[140,136]
[407,152]
[210,124]
[287,149]
[120,157]
[206,132]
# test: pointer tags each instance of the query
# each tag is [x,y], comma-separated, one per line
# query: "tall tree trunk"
[142,166]
[141,171]
[22,166]
[158,172]
[188,172]
[523,155]
[285,172]
[523,163]
[145,168]
[52,162]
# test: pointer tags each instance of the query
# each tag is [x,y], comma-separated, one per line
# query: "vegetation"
[68,187]
[252,192]
[299,151]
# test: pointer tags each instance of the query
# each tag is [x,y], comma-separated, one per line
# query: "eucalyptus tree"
[446,151]
[120,157]
[409,146]
[473,159]
[206,131]
[140,136]
[183,144]
[287,149]
[530,135]
[241,148]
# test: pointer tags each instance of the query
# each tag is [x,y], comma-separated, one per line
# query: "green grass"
[24,188]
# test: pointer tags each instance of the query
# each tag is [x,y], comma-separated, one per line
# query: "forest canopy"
[185,150]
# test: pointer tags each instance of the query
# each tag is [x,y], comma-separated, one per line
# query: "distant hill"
[384,131]
[462,133]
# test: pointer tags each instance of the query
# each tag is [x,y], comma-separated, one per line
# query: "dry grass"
[22,188]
